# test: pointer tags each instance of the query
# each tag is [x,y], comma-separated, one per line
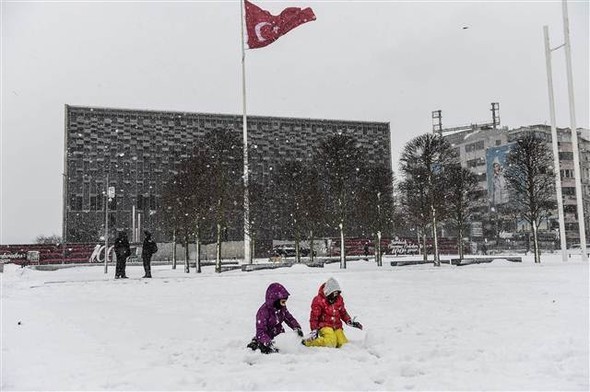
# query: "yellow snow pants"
[328,337]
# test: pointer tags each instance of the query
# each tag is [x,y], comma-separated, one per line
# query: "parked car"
[289,251]
[575,250]
[284,250]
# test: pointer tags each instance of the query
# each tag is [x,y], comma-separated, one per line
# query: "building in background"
[484,150]
[140,150]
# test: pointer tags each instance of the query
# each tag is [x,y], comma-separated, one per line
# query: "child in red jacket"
[327,314]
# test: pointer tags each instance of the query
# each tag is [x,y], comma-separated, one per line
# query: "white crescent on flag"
[258,29]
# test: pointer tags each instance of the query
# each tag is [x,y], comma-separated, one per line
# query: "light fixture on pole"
[109,196]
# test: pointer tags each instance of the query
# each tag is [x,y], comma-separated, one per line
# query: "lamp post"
[109,196]
[379,263]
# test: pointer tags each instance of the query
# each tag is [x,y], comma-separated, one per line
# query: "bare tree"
[376,204]
[415,207]
[530,178]
[177,203]
[187,202]
[424,160]
[340,161]
[461,197]
[261,217]
[291,192]
[313,207]
[223,150]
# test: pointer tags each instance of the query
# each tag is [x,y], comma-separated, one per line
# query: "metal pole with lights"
[574,130]
[108,197]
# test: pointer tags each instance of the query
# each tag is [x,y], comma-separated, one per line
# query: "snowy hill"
[497,326]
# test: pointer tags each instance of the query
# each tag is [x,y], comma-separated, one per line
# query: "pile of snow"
[502,325]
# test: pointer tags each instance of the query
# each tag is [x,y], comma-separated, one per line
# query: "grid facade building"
[138,151]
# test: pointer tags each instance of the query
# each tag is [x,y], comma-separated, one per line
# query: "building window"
[78,203]
[568,190]
[567,173]
[476,162]
[481,177]
[479,145]
[566,156]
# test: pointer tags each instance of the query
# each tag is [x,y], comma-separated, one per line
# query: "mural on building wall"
[495,164]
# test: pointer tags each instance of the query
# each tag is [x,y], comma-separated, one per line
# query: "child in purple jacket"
[270,317]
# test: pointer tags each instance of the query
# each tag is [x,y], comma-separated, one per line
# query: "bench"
[401,263]
[256,267]
[480,260]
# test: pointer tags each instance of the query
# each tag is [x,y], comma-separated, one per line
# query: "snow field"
[498,326]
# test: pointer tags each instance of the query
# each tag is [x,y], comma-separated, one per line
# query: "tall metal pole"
[574,130]
[64,234]
[247,249]
[134,236]
[556,166]
[106,228]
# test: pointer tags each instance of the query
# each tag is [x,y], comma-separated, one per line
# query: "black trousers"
[120,269]
[147,266]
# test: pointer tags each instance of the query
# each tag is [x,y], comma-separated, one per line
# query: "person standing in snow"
[122,251]
[148,248]
[270,317]
[327,313]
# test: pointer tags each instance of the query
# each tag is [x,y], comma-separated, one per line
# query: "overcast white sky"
[360,60]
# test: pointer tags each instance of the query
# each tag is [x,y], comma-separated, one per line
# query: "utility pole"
[574,131]
[108,197]
[556,167]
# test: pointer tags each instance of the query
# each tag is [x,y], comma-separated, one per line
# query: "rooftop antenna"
[495,114]
[437,122]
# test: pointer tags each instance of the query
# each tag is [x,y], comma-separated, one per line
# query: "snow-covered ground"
[497,326]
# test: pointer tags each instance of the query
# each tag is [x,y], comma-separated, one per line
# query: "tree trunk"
[198,248]
[379,253]
[536,244]
[460,242]
[424,248]
[435,239]
[311,257]
[342,255]
[186,253]
[297,254]
[174,249]
[218,250]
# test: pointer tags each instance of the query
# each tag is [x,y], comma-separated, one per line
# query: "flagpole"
[247,248]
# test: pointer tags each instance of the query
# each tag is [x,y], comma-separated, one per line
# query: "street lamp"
[379,261]
[108,196]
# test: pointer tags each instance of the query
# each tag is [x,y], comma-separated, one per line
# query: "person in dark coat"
[122,251]
[148,248]
[270,317]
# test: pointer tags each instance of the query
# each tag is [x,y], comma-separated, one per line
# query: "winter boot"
[253,344]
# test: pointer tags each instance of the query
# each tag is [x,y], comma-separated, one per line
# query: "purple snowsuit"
[270,316]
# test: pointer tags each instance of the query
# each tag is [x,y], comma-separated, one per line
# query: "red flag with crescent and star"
[263,28]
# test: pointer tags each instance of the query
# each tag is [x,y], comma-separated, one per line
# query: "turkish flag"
[263,28]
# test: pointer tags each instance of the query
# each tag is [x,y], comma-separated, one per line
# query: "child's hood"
[329,287]
[275,292]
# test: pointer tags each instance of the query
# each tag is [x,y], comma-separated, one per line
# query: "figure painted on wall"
[499,188]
